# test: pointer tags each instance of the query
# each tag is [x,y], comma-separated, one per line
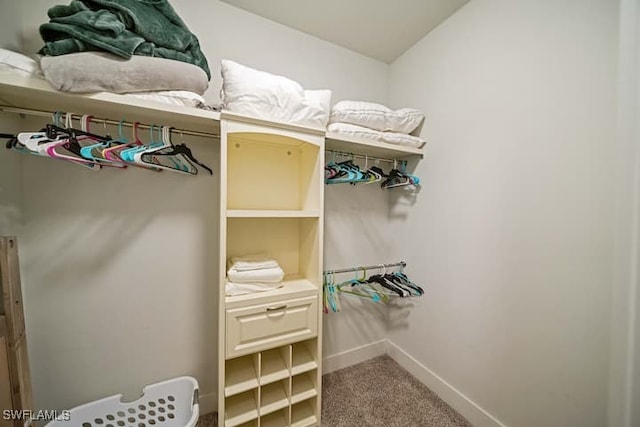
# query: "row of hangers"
[378,288]
[85,148]
[348,172]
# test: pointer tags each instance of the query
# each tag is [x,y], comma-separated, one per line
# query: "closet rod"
[363,156]
[367,267]
[40,113]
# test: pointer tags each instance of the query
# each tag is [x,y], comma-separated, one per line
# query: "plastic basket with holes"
[172,403]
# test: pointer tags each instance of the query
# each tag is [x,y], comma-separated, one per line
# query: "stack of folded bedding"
[124,47]
[255,273]
[368,120]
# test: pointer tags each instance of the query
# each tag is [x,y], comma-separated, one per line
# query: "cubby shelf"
[285,381]
[258,213]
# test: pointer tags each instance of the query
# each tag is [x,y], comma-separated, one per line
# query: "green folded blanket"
[122,27]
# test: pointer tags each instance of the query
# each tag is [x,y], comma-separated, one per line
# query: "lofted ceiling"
[380,29]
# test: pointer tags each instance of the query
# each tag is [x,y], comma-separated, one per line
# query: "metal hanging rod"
[367,267]
[40,113]
[364,156]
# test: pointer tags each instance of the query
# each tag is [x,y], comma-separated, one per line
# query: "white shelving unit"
[271,203]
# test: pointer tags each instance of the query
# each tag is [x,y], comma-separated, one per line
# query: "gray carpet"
[378,392]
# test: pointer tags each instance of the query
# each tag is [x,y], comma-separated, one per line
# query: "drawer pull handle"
[280,307]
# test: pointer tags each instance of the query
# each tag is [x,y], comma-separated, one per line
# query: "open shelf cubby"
[293,242]
[272,172]
[304,386]
[285,381]
[304,357]
[304,414]
[241,408]
[241,374]
[275,365]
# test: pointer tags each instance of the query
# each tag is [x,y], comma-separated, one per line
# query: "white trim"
[624,383]
[208,403]
[458,401]
[353,356]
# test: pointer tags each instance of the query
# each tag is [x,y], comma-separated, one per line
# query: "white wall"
[512,231]
[118,266]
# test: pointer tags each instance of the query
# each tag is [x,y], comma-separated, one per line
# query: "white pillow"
[356,131]
[376,116]
[19,63]
[263,95]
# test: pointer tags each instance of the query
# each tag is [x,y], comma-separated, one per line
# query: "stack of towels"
[368,120]
[254,273]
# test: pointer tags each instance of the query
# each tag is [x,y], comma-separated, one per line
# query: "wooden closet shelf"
[346,144]
[37,94]
[258,213]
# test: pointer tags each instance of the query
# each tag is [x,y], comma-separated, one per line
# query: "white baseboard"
[458,401]
[208,403]
[353,356]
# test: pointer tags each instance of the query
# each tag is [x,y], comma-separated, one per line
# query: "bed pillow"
[362,132]
[268,96]
[104,72]
[19,64]
[376,116]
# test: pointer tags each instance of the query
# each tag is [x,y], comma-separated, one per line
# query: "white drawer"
[260,327]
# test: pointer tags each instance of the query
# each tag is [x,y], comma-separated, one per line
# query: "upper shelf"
[347,144]
[36,94]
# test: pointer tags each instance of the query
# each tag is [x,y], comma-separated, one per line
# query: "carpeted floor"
[378,392]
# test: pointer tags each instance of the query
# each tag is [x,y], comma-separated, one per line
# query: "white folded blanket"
[251,262]
[232,288]
[265,275]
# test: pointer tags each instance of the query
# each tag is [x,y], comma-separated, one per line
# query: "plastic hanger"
[94,151]
[178,158]
[70,149]
[185,154]
[128,154]
[172,163]
[369,294]
[114,152]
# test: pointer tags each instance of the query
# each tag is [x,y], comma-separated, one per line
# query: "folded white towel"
[251,262]
[233,288]
[265,275]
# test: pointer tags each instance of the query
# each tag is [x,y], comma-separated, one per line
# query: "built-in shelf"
[302,359]
[373,148]
[273,398]
[36,94]
[257,213]
[241,375]
[241,408]
[274,366]
[303,414]
[303,387]
[276,419]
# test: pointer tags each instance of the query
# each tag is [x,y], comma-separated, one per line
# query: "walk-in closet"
[244,213]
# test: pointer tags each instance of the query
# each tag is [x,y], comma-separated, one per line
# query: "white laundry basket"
[172,403]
